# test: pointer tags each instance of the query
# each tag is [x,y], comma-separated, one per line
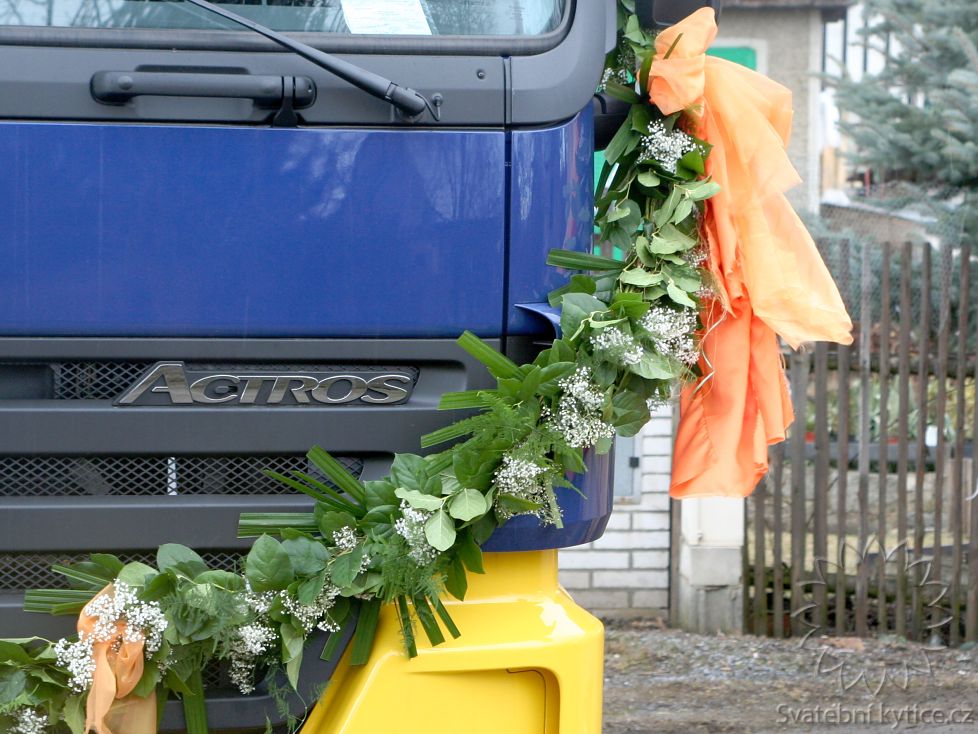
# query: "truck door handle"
[118,87]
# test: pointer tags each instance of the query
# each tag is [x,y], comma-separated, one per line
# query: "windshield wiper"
[410,103]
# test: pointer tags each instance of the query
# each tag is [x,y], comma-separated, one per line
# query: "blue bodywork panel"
[148,230]
[196,231]
[552,206]
[585,514]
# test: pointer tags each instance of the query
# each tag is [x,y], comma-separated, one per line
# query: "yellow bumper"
[529,661]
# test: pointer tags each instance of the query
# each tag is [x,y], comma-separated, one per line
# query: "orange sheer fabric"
[112,708]
[767,273]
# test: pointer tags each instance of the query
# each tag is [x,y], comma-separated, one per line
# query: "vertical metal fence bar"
[842,442]
[957,471]
[799,388]
[971,605]
[940,417]
[821,489]
[903,429]
[777,586]
[883,434]
[865,371]
[760,559]
[923,368]
[745,567]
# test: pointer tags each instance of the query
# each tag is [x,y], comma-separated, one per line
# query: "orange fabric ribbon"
[767,272]
[111,707]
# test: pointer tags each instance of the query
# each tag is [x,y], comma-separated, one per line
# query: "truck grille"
[69,476]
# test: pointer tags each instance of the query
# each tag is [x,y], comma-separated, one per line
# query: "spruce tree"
[916,122]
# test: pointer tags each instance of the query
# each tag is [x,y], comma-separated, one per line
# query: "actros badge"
[173,383]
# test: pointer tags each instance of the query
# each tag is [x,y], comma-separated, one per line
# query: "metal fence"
[867,521]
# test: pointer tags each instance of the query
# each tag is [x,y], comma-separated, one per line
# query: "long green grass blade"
[363,638]
[428,622]
[443,435]
[446,618]
[337,473]
[311,492]
[437,463]
[404,615]
[464,400]
[582,261]
[327,491]
[253,524]
[194,705]
[86,578]
[498,364]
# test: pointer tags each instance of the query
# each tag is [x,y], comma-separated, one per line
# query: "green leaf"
[649,178]
[446,618]
[620,91]
[653,367]
[345,568]
[292,643]
[309,589]
[663,215]
[622,140]
[575,308]
[74,713]
[678,295]
[221,579]
[409,471]
[253,524]
[470,553]
[11,652]
[683,209]
[419,501]
[629,413]
[329,521]
[693,161]
[640,278]
[308,556]
[180,559]
[703,190]
[268,566]
[627,214]
[440,531]
[456,582]
[468,505]
[516,505]
[136,573]
[13,683]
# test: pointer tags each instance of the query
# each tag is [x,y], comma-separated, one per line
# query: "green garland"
[628,334]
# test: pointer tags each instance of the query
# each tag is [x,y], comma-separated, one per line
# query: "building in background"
[645,563]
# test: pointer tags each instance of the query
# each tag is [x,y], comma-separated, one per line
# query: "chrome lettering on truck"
[173,383]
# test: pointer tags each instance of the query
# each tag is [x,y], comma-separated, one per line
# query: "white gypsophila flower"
[144,621]
[578,415]
[345,538]
[666,147]
[251,641]
[617,346]
[410,526]
[315,615]
[672,332]
[77,658]
[527,480]
[30,721]
[253,601]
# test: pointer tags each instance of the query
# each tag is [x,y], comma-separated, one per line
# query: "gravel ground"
[662,681]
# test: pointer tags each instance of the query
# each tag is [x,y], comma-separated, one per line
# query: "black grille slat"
[74,476]
[20,571]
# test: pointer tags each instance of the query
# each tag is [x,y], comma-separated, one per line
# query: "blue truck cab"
[216,253]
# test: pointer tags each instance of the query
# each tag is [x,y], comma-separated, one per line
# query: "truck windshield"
[400,17]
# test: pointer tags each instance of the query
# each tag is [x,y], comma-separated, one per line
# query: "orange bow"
[768,275]
[111,709]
